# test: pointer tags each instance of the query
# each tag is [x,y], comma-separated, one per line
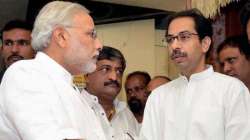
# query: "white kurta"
[210,106]
[123,124]
[38,102]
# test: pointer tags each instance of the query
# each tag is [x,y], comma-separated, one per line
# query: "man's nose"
[113,75]
[175,44]
[98,44]
[15,47]
[227,68]
[133,94]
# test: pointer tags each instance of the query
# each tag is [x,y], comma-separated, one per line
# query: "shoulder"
[225,80]
[166,89]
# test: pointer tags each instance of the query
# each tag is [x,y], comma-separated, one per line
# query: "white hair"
[51,15]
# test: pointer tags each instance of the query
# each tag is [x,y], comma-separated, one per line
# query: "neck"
[108,107]
[197,69]
[139,117]
[247,83]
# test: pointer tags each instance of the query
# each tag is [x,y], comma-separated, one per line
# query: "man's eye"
[129,91]
[119,71]
[184,36]
[231,60]
[169,39]
[23,42]
[104,69]
[8,43]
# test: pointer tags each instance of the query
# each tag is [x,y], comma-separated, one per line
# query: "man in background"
[103,86]
[156,82]
[136,91]
[234,58]
[16,43]
[38,99]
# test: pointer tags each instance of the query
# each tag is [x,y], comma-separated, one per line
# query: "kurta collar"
[201,75]
[93,101]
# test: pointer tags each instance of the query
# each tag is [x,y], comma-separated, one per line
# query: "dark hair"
[245,15]
[239,41]
[203,25]
[146,76]
[16,24]
[110,53]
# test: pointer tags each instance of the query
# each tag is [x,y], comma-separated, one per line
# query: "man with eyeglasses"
[136,91]
[16,43]
[38,100]
[156,82]
[201,104]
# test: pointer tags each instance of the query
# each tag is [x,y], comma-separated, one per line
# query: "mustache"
[178,53]
[112,82]
[15,56]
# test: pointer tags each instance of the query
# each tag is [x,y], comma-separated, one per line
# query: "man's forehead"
[17,30]
[84,20]
[181,24]
[138,78]
[107,62]
[17,33]
[230,49]
[229,52]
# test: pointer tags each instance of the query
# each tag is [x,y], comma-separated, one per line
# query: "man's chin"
[10,62]
[89,68]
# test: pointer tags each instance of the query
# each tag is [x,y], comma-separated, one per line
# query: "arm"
[237,113]
[150,129]
[31,105]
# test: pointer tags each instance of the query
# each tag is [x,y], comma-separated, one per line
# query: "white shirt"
[38,102]
[210,106]
[122,124]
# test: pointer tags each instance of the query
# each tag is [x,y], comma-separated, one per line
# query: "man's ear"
[206,43]
[60,35]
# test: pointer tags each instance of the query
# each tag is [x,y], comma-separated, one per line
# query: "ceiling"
[121,9]
[168,5]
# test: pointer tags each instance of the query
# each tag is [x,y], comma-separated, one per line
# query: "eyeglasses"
[92,33]
[20,42]
[182,37]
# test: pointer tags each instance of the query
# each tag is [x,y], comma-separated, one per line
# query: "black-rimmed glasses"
[182,37]
[92,33]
